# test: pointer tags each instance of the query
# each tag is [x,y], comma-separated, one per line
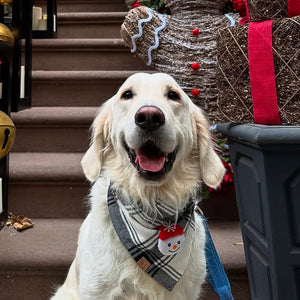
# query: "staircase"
[72,76]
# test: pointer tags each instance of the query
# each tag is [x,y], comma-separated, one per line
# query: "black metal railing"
[22,55]
[6,55]
[16,66]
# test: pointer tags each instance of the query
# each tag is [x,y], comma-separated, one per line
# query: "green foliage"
[228,7]
[223,149]
[205,192]
[157,5]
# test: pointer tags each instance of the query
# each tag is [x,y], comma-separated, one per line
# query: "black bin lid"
[261,134]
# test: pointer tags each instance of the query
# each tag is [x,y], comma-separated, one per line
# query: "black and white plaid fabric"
[138,232]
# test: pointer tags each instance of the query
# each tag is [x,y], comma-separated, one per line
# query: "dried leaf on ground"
[238,244]
[19,222]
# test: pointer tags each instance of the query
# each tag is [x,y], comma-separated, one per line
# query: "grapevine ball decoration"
[182,44]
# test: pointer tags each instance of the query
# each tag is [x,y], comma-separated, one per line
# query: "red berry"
[195,92]
[135,4]
[195,31]
[195,66]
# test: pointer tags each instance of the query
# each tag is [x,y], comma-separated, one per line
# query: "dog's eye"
[127,95]
[172,95]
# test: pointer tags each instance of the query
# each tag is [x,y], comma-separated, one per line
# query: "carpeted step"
[90,5]
[228,242]
[33,262]
[75,88]
[90,24]
[53,129]
[83,54]
[47,185]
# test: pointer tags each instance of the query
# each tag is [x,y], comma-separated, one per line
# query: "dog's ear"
[93,159]
[211,167]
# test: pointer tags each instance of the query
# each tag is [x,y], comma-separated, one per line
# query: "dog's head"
[151,133]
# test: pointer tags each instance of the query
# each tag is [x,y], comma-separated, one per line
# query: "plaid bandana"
[139,232]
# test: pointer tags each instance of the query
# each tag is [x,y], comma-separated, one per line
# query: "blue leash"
[216,274]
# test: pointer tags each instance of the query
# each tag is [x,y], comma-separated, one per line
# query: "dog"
[150,150]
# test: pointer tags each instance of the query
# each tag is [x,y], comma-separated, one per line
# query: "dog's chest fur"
[107,270]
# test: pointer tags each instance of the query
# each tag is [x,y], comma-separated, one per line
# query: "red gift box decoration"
[293,8]
[262,73]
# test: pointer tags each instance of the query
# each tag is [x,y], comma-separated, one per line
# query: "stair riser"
[68,92]
[45,281]
[90,5]
[220,206]
[51,138]
[49,200]
[239,287]
[33,285]
[82,29]
[39,285]
[84,59]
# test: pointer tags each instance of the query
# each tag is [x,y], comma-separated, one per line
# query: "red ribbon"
[262,73]
[247,11]
[293,8]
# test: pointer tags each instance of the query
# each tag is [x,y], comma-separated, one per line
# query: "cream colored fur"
[102,268]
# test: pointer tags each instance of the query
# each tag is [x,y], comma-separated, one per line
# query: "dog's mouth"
[151,163]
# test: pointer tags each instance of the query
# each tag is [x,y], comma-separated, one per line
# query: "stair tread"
[55,115]
[227,238]
[91,16]
[50,243]
[89,25]
[30,249]
[91,5]
[76,88]
[78,43]
[83,54]
[44,166]
[82,74]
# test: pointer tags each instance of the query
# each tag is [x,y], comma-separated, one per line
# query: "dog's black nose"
[149,117]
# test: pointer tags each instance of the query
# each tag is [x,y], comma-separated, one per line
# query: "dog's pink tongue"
[153,163]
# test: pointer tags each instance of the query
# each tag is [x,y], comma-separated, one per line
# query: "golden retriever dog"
[150,150]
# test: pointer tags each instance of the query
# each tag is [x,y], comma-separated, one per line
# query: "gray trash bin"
[266,165]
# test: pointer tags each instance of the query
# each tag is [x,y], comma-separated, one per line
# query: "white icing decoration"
[231,19]
[140,22]
[156,38]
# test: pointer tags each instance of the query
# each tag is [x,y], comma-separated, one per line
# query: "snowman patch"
[171,239]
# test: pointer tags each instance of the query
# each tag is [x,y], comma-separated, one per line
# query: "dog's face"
[152,132]
[153,124]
